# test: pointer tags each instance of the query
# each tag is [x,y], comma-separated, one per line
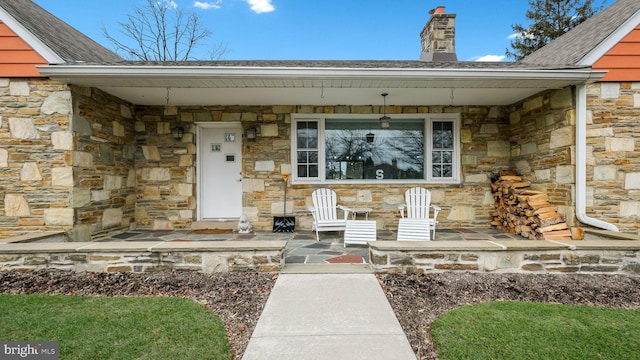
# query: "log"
[566,232]
[510,178]
[531,192]
[539,206]
[550,215]
[538,199]
[522,229]
[577,233]
[545,210]
[521,210]
[554,227]
[557,235]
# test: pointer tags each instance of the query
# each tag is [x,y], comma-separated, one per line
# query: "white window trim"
[457,160]
[428,119]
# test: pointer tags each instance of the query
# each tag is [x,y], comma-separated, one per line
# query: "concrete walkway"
[328,316]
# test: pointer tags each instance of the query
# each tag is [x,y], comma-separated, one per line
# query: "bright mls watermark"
[32,350]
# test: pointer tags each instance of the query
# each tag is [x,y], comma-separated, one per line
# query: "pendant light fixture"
[370,136]
[384,119]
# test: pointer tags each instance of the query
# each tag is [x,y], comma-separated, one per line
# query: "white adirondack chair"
[417,206]
[325,212]
[413,229]
[360,232]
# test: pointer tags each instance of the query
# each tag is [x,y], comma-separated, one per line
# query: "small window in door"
[230,158]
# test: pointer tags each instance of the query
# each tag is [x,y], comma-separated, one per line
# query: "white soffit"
[147,85]
[318,96]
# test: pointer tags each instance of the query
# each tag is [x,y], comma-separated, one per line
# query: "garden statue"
[244,226]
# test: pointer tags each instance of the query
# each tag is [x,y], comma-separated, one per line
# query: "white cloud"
[207,5]
[171,4]
[261,6]
[519,36]
[491,58]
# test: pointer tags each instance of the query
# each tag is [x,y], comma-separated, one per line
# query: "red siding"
[17,58]
[623,60]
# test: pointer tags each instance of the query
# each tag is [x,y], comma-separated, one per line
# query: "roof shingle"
[578,42]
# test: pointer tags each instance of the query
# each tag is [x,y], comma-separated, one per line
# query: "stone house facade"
[608,126]
[36,174]
[613,137]
[84,154]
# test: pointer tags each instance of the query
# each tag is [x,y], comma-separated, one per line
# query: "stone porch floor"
[302,247]
[456,249]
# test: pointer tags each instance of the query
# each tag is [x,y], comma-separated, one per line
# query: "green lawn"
[521,330]
[115,327]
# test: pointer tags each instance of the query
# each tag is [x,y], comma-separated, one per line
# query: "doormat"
[211,231]
[284,224]
[346,259]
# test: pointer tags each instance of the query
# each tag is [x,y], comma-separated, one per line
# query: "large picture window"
[356,149]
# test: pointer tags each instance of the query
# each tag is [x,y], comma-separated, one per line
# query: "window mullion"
[428,142]
[322,161]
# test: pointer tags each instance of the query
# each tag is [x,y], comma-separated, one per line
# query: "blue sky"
[319,30]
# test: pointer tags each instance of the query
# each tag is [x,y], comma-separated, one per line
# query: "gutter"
[581,162]
[180,72]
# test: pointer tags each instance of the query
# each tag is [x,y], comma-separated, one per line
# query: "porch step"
[41,236]
[215,224]
[326,269]
[595,234]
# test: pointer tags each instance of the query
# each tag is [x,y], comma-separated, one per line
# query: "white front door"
[220,171]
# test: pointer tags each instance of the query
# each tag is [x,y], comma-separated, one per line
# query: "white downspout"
[581,162]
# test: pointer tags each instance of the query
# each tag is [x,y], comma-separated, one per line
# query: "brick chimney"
[439,37]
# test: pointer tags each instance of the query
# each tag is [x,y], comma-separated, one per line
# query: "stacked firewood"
[521,210]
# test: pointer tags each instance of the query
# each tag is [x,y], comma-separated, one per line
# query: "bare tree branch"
[160,31]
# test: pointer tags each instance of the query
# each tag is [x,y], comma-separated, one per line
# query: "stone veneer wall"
[543,146]
[122,169]
[132,261]
[166,168]
[104,178]
[36,174]
[613,159]
[146,256]
[539,258]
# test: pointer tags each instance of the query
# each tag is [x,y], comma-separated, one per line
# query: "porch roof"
[587,42]
[320,82]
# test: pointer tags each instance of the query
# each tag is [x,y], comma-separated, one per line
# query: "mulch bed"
[238,298]
[417,300]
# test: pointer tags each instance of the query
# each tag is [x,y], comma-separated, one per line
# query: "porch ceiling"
[201,85]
